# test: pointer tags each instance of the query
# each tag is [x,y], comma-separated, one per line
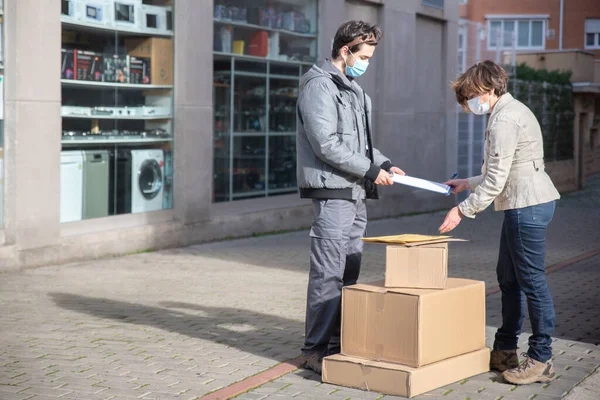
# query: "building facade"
[536,25]
[135,125]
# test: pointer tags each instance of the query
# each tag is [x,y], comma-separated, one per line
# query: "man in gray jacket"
[338,168]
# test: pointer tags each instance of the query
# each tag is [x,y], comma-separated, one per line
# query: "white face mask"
[477,108]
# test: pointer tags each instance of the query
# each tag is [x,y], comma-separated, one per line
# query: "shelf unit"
[111,86]
[121,117]
[108,29]
[239,24]
[114,140]
[117,140]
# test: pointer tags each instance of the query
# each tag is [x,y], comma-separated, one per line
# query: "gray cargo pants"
[335,257]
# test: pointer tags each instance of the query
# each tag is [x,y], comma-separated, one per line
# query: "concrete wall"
[597,71]
[563,175]
[580,63]
[414,124]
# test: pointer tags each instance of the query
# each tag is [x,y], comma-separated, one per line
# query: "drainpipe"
[560,35]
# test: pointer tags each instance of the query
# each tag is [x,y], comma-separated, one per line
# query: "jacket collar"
[502,101]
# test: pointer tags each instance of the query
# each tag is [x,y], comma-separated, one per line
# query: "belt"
[527,167]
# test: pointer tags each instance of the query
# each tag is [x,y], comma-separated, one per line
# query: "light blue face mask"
[359,67]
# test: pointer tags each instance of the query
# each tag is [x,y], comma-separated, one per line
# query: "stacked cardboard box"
[405,341]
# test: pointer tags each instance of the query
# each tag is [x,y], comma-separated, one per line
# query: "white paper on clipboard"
[422,184]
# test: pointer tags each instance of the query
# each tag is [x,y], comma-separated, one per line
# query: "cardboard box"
[414,327]
[421,267]
[400,380]
[88,66]
[160,53]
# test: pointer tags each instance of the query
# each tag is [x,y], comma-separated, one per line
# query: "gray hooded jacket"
[331,139]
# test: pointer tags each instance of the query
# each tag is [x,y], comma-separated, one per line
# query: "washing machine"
[147,180]
[71,186]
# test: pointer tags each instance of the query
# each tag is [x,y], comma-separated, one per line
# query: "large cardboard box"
[160,53]
[421,267]
[414,327]
[400,380]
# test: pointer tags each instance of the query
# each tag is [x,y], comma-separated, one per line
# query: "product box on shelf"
[295,21]
[160,53]
[88,66]
[115,68]
[67,65]
[400,380]
[258,45]
[139,70]
[414,327]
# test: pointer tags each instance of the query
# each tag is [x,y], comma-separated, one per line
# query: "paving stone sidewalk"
[182,323]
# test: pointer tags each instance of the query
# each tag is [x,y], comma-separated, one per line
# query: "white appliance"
[96,11]
[157,19]
[127,14]
[70,9]
[147,180]
[71,186]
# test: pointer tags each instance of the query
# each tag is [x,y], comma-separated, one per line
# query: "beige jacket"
[513,173]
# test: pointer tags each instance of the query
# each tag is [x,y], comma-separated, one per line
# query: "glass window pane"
[272,44]
[494,29]
[249,162]
[117,110]
[537,33]
[282,164]
[523,34]
[590,39]
[509,28]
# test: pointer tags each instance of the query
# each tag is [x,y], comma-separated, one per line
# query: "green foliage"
[549,95]
[556,77]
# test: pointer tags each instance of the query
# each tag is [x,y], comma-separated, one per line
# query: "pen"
[453,176]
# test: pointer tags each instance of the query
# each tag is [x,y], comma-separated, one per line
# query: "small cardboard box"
[400,380]
[414,327]
[422,267]
[160,53]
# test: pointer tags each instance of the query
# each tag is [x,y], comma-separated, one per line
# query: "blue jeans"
[522,277]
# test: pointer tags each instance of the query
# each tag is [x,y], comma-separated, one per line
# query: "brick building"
[535,25]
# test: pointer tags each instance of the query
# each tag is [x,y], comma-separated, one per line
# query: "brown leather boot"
[530,371]
[502,360]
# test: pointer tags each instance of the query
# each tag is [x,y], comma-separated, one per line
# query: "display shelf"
[263,134]
[245,25]
[262,59]
[108,85]
[109,29]
[113,140]
[121,117]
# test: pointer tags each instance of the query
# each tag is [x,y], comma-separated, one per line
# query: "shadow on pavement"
[255,333]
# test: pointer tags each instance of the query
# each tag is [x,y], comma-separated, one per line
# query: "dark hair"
[479,79]
[355,30]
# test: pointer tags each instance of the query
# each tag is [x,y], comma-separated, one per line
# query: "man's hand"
[397,171]
[458,185]
[384,178]
[451,221]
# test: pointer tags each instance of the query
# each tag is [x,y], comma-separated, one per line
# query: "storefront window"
[261,49]
[117,107]
[1,113]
